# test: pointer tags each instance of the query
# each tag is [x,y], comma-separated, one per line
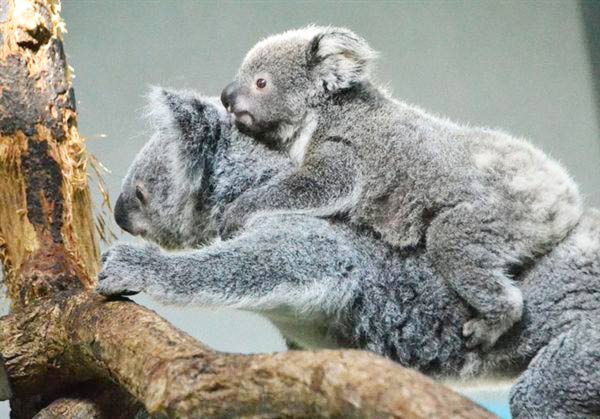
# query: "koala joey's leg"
[286,261]
[325,178]
[563,380]
[470,252]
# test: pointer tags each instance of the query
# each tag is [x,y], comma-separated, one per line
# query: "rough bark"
[76,338]
[67,352]
[92,401]
[47,241]
[46,223]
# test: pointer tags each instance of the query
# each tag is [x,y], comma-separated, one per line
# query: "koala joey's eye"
[139,194]
[261,83]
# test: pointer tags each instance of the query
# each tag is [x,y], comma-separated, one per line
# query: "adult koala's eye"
[261,83]
[139,194]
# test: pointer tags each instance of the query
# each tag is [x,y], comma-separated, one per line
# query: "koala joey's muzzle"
[236,106]
[229,95]
[121,217]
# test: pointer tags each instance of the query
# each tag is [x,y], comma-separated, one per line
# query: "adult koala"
[326,284]
[482,203]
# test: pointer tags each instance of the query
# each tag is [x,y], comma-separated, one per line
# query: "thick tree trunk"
[47,241]
[46,224]
[67,352]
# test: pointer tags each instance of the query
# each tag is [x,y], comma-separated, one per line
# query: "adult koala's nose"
[120,213]
[228,96]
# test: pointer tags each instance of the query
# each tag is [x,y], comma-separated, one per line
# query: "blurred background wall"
[523,66]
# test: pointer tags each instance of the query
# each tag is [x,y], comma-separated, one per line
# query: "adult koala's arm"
[324,183]
[289,261]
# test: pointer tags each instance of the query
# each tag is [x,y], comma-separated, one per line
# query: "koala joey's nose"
[228,96]
[120,213]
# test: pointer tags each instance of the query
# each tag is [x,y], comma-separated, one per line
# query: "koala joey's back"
[296,90]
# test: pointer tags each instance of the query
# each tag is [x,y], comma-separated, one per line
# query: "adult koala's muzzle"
[121,216]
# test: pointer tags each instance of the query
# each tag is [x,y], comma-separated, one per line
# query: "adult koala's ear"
[184,111]
[340,58]
[194,121]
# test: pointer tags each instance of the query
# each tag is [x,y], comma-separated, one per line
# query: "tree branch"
[174,375]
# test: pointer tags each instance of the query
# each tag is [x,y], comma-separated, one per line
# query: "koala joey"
[483,204]
[325,283]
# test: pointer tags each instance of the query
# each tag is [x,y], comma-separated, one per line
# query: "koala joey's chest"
[304,140]
[315,130]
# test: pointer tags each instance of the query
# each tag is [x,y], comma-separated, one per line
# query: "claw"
[128,293]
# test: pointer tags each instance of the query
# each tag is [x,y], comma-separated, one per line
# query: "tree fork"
[67,352]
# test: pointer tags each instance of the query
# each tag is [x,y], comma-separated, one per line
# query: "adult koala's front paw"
[123,269]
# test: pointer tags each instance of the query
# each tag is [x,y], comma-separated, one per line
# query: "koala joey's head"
[284,75]
[166,193]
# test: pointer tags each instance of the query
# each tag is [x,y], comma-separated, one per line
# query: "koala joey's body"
[325,283]
[483,204]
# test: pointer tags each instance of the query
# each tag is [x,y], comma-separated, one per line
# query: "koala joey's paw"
[472,365]
[122,267]
[482,333]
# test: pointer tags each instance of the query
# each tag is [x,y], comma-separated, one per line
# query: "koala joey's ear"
[339,58]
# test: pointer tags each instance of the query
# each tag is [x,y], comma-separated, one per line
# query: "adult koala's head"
[284,75]
[168,191]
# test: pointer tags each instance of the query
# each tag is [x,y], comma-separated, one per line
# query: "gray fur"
[481,203]
[326,284]
[186,125]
